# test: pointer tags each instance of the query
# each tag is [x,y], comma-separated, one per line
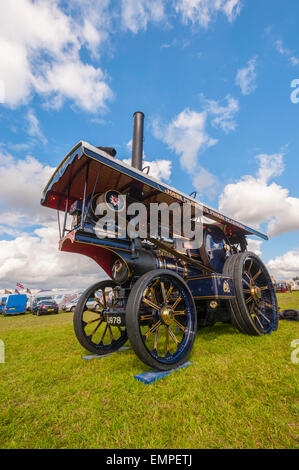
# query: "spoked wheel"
[255,306]
[161,319]
[90,318]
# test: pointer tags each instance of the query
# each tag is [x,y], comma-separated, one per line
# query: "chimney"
[137,143]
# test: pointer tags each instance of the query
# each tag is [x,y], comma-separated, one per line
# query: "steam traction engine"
[160,291]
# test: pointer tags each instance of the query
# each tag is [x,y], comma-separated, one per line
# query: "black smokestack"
[137,143]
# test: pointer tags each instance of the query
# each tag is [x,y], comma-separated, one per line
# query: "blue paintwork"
[213,286]
[14,304]
[201,285]
[214,242]
[3,303]
[117,244]
[153,375]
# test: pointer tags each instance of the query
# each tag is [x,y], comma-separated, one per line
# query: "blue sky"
[214,81]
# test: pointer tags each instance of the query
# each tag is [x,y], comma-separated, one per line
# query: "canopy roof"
[106,172]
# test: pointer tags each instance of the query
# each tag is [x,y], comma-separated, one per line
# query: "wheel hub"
[167,315]
[256,293]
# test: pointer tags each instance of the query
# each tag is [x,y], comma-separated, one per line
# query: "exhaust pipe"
[137,143]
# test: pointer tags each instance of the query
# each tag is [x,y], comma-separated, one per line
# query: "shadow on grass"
[210,333]
[206,334]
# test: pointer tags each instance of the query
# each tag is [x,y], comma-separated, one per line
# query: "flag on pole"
[20,285]
[17,292]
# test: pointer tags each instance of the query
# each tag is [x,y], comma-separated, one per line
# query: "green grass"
[240,392]
[288,300]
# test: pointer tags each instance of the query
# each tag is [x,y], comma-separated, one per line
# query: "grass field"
[240,392]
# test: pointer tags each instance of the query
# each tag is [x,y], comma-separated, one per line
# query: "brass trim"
[214,297]
[220,276]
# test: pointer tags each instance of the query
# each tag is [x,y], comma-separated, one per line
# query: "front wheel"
[92,330]
[161,319]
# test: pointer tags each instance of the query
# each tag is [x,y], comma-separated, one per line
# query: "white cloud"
[33,127]
[281,49]
[160,169]
[5,230]
[205,182]
[203,11]
[136,14]
[232,8]
[94,19]
[15,71]
[186,135]
[294,60]
[39,44]
[2,92]
[225,115]
[255,246]
[270,166]
[35,259]
[286,52]
[84,84]
[168,45]
[21,186]
[285,266]
[257,199]
[246,77]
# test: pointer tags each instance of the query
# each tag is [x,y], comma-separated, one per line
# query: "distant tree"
[296,278]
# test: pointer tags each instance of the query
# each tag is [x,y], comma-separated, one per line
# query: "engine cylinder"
[145,261]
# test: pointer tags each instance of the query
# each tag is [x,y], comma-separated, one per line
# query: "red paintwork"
[101,256]
[58,201]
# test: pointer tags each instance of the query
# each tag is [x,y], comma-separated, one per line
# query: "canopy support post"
[59,227]
[92,194]
[84,197]
[66,211]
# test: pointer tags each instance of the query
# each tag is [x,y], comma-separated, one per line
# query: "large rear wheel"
[254,309]
[236,319]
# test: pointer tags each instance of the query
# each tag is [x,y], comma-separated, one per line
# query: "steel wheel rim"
[259,295]
[97,331]
[166,319]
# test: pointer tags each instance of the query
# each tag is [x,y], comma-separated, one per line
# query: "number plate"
[50,309]
[115,320]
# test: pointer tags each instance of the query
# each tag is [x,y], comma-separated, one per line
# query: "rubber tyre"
[236,317]
[243,314]
[77,321]
[133,324]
